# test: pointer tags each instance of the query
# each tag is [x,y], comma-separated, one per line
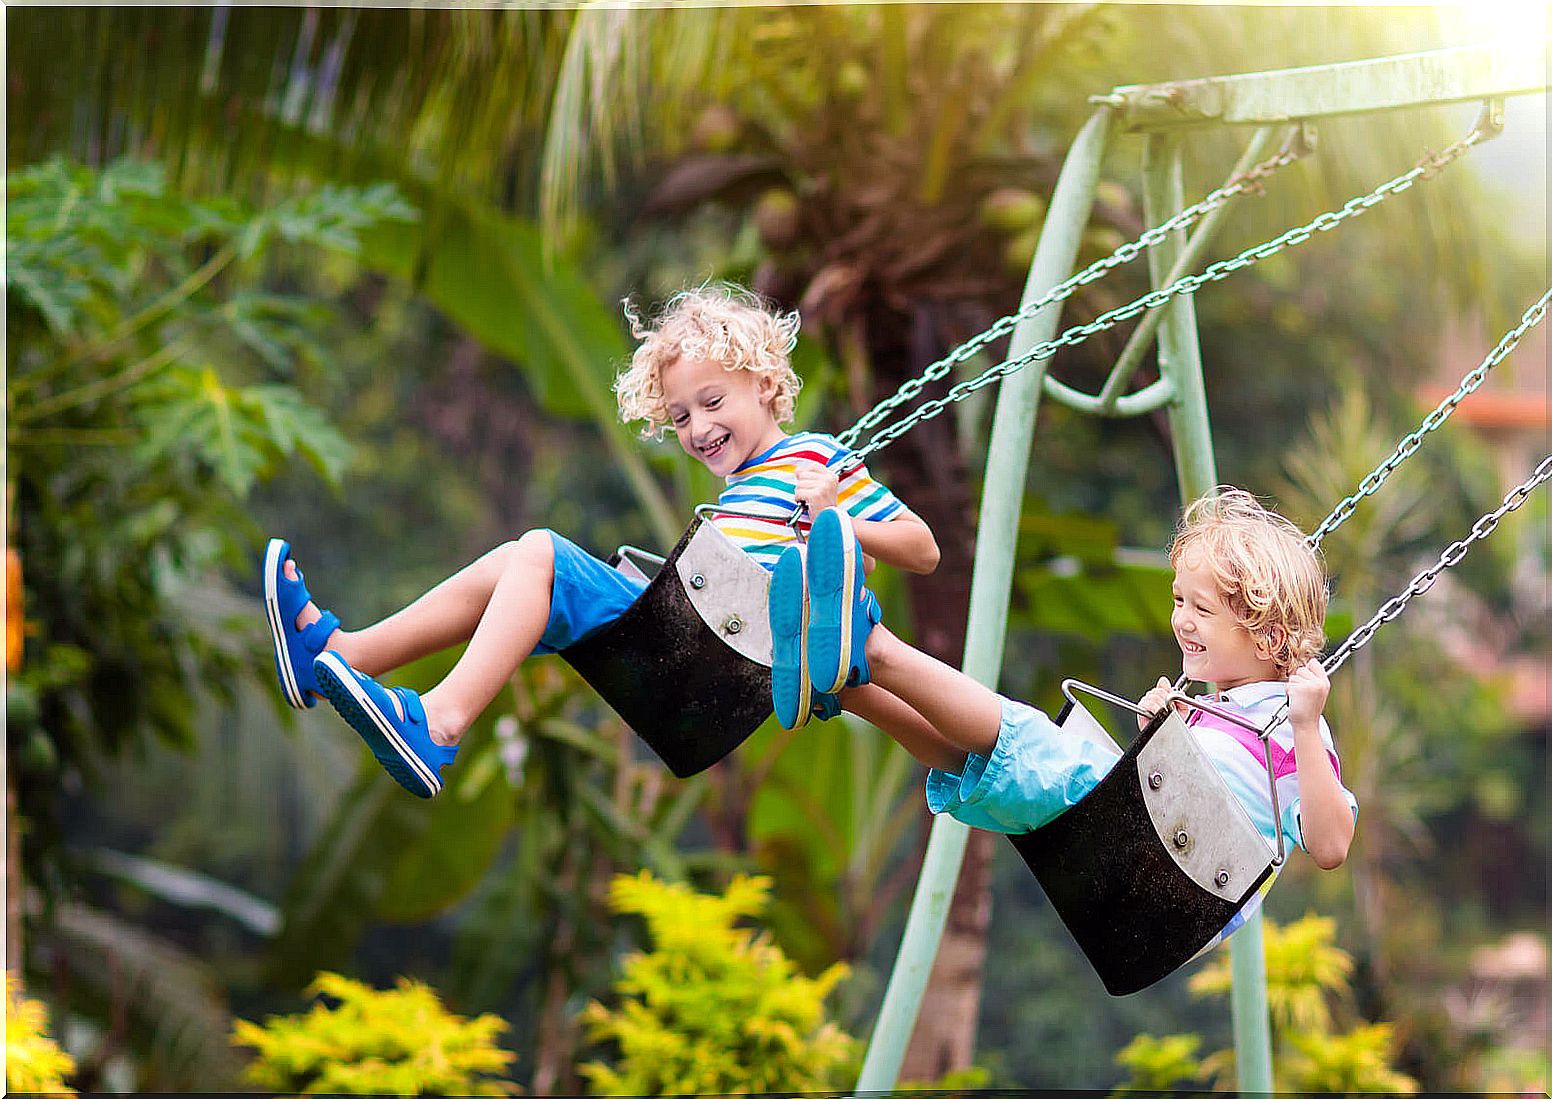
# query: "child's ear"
[1267,647]
[766,388]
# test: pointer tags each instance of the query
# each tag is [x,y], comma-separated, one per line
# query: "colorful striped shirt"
[765,485]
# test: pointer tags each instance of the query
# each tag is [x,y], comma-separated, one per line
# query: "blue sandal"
[791,695]
[842,612]
[294,648]
[402,745]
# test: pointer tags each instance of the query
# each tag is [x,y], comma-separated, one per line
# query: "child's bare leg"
[961,711]
[446,615]
[910,729]
[510,625]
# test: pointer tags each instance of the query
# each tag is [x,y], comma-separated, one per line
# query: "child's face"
[722,417]
[1214,647]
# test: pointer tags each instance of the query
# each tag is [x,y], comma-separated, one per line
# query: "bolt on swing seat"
[688,665]
[1152,863]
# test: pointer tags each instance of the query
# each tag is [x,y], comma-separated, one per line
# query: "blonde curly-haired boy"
[714,366]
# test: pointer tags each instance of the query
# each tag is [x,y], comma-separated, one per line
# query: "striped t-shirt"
[1238,757]
[764,486]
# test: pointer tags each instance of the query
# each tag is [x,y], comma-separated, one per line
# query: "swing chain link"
[1451,556]
[1428,167]
[1446,408]
[1248,181]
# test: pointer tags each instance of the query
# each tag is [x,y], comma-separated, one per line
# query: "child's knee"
[533,554]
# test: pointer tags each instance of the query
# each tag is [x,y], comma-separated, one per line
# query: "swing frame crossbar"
[1161,114]
[1433,78]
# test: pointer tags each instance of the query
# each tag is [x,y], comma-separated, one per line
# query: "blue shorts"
[588,595]
[1034,774]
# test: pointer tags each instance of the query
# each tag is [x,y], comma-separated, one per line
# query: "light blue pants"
[1034,774]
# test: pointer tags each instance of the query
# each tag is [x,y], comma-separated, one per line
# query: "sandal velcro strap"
[315,635]
[413,710]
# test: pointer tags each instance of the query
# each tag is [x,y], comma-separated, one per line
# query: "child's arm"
[903,540]
[1325,816]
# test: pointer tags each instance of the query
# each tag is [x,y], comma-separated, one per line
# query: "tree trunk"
[944,1038]
[924,469]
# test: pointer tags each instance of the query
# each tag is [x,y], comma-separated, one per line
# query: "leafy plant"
[1307,978]
[1159,1063]
[1304,972]
[1356,1061]
[150,387]
[33,1062]
[400,1041]
[713,1008]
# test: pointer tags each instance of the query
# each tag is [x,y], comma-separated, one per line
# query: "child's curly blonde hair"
[722,323]
[1270,578]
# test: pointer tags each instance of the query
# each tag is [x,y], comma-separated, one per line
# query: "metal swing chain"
[1427,168]
[1451,556]
[1424,580]
[1247,181]
[1469,384]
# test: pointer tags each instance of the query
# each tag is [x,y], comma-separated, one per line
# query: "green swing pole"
[1002,497]
[1180,362]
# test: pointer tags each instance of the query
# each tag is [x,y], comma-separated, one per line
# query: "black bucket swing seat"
[688,665]
[1152,863]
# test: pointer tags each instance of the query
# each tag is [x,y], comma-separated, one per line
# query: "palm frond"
[170,997]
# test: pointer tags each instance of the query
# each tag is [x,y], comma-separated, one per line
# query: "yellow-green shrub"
[713,1008]
[399,1041]
[32,1061]
[1306,979]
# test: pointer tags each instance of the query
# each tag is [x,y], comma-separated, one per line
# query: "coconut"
[1011,209]
[716,130]
[1019,251]
[778,217]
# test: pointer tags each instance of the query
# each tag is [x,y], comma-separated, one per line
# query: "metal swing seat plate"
[687,666]
[1152,863]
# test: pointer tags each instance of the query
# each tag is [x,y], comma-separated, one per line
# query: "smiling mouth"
[712,448]
[1191,647]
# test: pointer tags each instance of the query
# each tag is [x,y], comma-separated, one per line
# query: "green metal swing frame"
[1162,114]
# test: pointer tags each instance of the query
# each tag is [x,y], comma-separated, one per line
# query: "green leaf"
[336,890]
[489,273]
[466,824]
[169,995]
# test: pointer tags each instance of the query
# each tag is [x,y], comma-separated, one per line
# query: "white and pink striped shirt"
[1237,755]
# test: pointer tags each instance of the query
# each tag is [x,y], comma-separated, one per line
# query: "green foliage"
[148,392]
[1356,1061]
[974,1078]
[1303,971]
[1307,977]
[1159,1063]
[165,1002]
[33,1062]
[397,1042]
[713,1008]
